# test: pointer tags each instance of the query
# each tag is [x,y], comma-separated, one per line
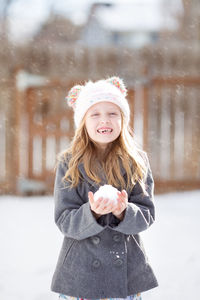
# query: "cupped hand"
[122,203]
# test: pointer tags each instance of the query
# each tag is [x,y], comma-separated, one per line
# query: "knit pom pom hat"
[81,98]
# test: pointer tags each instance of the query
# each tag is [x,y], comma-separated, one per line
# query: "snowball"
[107,191]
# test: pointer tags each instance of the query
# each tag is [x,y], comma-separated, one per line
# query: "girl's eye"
[94,115]
[113,114]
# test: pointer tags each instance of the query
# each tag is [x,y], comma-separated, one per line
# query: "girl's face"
[103,123]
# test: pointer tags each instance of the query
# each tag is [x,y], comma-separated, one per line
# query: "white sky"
[27,15]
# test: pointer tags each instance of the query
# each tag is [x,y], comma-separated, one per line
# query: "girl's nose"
[104,120]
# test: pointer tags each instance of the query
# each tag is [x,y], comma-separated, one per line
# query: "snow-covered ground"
[30,243]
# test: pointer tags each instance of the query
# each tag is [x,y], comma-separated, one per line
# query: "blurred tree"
[187,20]
[57,29]
[190,21]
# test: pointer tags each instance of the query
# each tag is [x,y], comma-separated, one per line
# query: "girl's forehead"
[104,105]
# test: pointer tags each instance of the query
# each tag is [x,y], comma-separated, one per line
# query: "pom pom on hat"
[118,82]
[113,90]
[73,95]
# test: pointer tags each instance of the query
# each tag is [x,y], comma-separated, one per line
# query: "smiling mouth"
[104,131]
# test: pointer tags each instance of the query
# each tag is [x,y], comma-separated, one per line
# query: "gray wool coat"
[102,258]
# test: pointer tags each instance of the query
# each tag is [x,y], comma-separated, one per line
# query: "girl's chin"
[103,144]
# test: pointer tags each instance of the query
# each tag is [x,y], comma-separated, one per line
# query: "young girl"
[102,255]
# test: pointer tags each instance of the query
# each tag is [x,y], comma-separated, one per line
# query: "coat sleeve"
[73,215]
[140,213]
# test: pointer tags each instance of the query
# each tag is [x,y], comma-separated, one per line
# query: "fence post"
[145,117]
[131,100]
[17,140]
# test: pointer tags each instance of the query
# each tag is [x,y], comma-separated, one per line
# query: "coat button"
[118,262]
[116,238]
[96,263]
[96,240]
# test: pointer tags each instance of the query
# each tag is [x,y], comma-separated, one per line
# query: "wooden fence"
[167,121]
[37,124]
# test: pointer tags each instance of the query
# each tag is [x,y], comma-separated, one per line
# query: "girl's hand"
[100,207]
[122,203]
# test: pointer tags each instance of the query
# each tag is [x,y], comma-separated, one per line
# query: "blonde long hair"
[123,153]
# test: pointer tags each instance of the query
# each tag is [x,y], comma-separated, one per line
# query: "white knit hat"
[113,90]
